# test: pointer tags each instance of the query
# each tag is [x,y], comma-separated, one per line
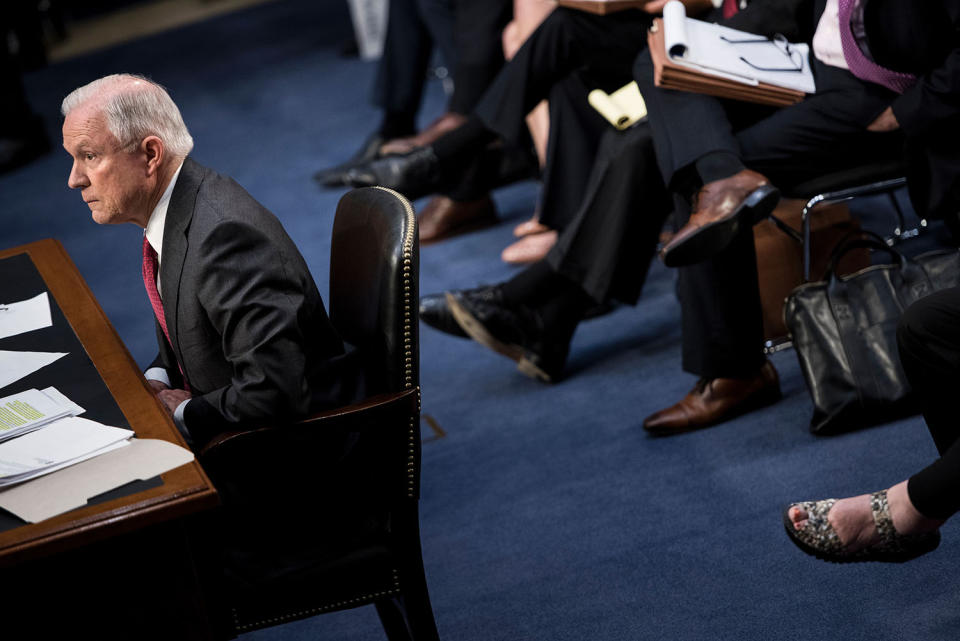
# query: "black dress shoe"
[435,312]
[337,176]
[413,174]
[515,332]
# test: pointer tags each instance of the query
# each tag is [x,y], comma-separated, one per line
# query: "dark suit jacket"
[919,37]
[246,321]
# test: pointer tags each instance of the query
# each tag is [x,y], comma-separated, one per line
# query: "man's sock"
[718,165]
[397,124]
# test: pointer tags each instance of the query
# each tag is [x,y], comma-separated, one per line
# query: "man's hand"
[157,386]
[886,121]
[171,398]
[654,6]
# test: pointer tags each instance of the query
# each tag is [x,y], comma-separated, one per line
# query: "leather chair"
[322,515]
[866,180]
[884,177]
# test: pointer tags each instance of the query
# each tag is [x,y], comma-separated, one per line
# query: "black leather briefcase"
[844,333]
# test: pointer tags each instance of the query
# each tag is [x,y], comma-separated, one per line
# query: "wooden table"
[184,490]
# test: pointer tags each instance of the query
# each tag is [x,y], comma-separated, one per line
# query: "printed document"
[16,365]
[25,316]
[30,410]
[65,442]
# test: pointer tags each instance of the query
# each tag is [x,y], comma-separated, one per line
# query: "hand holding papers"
[697,56]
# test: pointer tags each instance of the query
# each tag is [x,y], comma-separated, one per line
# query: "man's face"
[114,183]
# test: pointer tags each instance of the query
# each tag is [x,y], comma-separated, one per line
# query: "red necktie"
[150,282]
[730,7]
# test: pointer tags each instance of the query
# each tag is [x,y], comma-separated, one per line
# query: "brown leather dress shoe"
[443,218]
[715,400]
[434,130]
[721,208]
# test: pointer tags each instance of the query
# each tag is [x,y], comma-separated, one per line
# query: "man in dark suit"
[244,338]
[889,70]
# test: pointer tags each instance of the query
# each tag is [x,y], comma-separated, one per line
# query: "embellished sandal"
[818,538]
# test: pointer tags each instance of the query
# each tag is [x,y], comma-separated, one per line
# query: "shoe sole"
[479,333]
[758,403]
[712,238]
[928,545]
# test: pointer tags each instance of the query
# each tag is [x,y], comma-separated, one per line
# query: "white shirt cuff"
[157,374]
[178,421]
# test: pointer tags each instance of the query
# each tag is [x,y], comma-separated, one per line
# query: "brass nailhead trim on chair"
[409,238]
[318,610]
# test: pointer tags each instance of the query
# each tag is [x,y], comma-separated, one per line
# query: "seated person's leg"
[901,522]
[565,41]
[602,255]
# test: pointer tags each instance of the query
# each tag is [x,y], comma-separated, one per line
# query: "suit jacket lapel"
[179,214]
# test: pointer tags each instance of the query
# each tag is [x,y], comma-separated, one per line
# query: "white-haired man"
[244,338]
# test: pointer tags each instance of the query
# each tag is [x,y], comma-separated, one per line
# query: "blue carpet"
[547,513]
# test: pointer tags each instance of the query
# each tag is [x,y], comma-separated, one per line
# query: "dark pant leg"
[608,246]
[824,133]
[566,41]
[575,132]
[402,71]
[439,17]
[929,341]
[685,126]
[477,37]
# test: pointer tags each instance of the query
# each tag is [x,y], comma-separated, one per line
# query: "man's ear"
[153,150]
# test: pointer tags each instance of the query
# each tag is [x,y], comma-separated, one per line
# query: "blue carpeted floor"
[547,513]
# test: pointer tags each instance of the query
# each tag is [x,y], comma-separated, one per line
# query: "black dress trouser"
[607,247]
[570,53]
[720,301]
[929,341]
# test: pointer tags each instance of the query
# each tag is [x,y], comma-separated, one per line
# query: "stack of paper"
[30,410]
[692,55]
[59,444]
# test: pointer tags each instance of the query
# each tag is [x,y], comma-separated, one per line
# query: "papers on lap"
[692,55]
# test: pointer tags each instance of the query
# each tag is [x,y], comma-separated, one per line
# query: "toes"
[798,516]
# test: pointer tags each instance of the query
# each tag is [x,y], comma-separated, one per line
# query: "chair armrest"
[407,401]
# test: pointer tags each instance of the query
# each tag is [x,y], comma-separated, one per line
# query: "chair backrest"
[374,275]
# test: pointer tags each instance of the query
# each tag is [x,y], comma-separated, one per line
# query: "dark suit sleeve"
[166,360]
[790,18]
[251,298]
[933,101]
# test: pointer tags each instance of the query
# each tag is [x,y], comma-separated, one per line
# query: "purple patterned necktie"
[861,66]
[150,282]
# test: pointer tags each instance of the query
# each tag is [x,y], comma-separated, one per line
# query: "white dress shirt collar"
[158,218]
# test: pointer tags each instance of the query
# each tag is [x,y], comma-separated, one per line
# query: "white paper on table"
[16,365]
[57,397]
[60,443]
[25,316]
[72,487]
[27,411]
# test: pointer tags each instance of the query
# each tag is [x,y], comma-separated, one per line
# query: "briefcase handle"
[856,239]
